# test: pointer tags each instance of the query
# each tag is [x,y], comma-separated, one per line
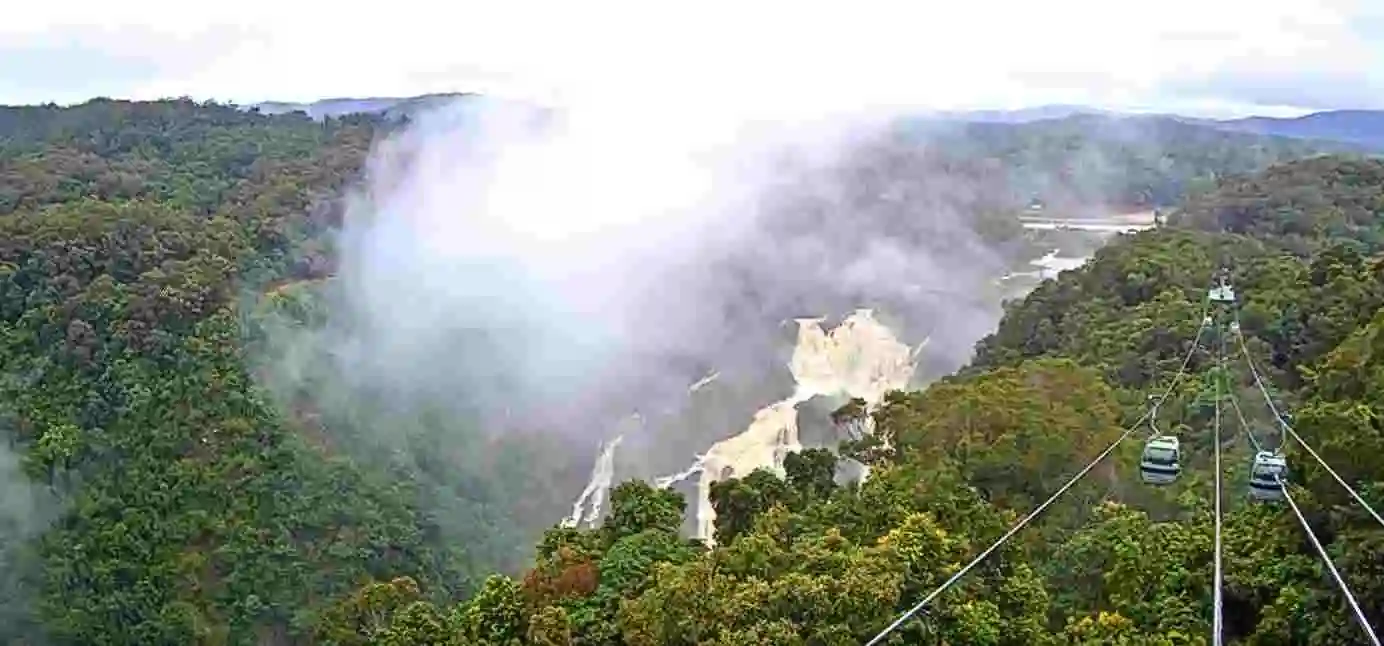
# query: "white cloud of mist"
[567,246]
[20,503]
[558,269]
[26,509]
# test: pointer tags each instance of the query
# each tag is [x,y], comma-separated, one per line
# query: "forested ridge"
[154,492]
[1089,162]
[187,511]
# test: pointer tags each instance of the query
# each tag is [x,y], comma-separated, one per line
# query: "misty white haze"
[557,269]
[590,244]
[20,499]
[26,509]
[773,57]
[577,239]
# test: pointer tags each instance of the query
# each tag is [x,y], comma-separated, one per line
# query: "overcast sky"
[1193,56]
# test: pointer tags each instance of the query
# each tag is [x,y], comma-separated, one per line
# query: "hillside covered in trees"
[170,503]
[1087,162]
[802,559]
[155,493]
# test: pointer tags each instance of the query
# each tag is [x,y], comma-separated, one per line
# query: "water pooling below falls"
[861,357]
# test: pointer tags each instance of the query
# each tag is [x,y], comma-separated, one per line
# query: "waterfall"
[594,495]
[860,357]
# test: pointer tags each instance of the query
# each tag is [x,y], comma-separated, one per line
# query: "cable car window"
[1158,455]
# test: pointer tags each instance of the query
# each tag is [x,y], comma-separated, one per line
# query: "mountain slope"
[1363,127]
[155,493]
[808,560]
[1095,160]
[1021,115]
[1301,205]
[339,107]
[185,508]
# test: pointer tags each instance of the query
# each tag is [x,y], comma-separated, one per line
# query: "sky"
[1210,57]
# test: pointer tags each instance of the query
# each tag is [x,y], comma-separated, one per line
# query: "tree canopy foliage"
[154,493]
[188,510]
[1095,161]
[1301,206]
[803,559]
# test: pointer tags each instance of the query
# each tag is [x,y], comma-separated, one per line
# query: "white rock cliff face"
[859,358]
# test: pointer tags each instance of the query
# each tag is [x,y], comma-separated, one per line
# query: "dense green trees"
[188,510]
[802,559]
[1093,162]
[154,494]
[1300,206]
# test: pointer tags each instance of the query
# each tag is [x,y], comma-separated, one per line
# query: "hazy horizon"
[1273,58]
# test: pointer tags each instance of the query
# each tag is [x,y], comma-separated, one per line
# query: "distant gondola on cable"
[1222,293]
[1270,470]
[1161,462]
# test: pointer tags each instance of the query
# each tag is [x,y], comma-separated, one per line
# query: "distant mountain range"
[1364,127]
[1022,115]
[371,105]
[1358,127]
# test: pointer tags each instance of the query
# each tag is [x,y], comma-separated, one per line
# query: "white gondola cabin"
[1222,293]
[1162,460]
[1265,476]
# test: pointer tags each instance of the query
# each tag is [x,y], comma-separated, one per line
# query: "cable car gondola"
[1222,293]
[1265,476]
[1161,462]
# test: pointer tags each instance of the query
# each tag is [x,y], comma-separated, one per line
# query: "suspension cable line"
[1249,430]
[1283,423]
[1216,606]
[1287,430]
[1177,378]
[1012,531]
[1240,413]
[1152,414]
[1331,567]
[1259,382]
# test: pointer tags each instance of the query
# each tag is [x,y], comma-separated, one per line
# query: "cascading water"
[859,358]
[703,382]
[593,497]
